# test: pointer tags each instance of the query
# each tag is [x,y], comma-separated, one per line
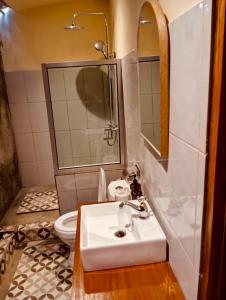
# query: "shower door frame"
[121,119]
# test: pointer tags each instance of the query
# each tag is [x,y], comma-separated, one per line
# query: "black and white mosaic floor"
[39,201]
[42,273]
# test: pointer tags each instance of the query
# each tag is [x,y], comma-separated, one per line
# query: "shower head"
[73,26]
[145,21]
[101,46]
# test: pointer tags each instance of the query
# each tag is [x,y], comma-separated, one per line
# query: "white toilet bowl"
[65,227]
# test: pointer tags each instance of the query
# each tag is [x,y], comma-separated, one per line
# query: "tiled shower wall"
[30,126]
[176,185]
[150,98]
[81,112]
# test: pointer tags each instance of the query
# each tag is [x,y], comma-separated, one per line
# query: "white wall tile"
[42,146]
[96,117]
[148,131]
[105,71]
[183,269]
[87,195]
[131,90]
[145,74]
[65,183]
[98,146]
[15,87]
[38,116]
[133,144]
[77,114]
[199,209]
[79,161]
[45,172]
[80,143]
[156,108]
[205,71]
[157,138]
[183,172]
[65,162]
[146,108]
[67,201]
[189,80]
[34,86]
[20,117]
[87,180]
[113,175]
[30,126]
[93,83]
[64,148]
[60,114]
[57,84]
[74,83]
[29,174]
[155,76]
[114,150]
[25,147]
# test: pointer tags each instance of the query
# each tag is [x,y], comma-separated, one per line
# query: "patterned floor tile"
[7,246]
[42,273]
[39,201]
[36,231]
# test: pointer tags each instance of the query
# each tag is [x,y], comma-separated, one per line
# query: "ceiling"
[23,4]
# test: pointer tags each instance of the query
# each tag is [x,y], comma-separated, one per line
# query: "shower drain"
[120,233]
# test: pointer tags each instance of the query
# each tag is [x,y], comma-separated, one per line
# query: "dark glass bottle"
[135,188]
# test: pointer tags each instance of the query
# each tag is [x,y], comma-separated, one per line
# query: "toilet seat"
[62,224]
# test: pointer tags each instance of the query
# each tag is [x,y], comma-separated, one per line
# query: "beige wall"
[126,15]
[34,36]
[148,38]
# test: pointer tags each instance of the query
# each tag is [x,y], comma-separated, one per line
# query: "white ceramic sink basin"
[101,249]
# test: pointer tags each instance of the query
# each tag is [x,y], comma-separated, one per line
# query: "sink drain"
[120,233]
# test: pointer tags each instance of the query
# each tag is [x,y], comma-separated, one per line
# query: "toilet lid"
[67,222]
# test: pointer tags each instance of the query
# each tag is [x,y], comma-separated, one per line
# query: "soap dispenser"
[135,188]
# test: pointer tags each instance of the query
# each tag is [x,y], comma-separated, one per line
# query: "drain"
[120,233]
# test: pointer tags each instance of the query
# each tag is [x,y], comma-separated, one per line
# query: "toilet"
[65,227]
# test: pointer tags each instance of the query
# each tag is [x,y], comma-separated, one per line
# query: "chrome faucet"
[141,215]
[141,207]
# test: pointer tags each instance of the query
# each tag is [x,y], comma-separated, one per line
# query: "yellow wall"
[34,36]
[126,15]
[148,39]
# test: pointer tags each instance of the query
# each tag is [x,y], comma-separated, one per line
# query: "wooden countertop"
[153,281]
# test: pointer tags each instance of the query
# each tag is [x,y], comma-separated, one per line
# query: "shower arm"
[77,14]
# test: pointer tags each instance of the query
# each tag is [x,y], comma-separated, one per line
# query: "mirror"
[153,57]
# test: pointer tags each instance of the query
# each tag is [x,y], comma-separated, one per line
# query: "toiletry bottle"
[135,188]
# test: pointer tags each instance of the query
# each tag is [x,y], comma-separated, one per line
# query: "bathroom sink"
[106,242]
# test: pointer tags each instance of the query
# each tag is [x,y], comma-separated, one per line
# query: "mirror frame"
[164,56]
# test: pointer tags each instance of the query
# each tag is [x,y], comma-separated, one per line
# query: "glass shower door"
[83,103]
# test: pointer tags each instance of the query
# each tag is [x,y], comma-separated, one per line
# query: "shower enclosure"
[83,101]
